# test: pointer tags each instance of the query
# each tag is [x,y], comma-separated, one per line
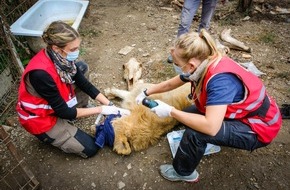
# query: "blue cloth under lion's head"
[105,134]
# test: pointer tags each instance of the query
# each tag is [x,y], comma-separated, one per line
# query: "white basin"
[43,12]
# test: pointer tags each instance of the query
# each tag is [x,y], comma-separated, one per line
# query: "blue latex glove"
[162,110]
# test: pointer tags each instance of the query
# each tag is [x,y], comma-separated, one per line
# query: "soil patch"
[110,26]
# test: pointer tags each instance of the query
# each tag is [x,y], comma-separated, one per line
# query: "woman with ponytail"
[230,105]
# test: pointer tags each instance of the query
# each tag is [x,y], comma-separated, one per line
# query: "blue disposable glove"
[162,110]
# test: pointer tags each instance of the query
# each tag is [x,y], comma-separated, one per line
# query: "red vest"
[265,125]
[35,115]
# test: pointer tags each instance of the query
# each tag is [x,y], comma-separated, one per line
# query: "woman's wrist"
[99,109]
[171,113]
[145,92]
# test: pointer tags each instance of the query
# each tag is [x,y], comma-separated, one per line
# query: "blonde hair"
[60,34]
[200,46]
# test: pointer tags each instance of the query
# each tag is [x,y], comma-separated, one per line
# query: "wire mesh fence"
[10,63]
[13,9]
[9,75]
[14,173]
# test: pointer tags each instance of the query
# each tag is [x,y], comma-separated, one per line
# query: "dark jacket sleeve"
[86,86]
[45,86]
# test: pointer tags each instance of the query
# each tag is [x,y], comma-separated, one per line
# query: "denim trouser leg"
[188,11]
[208,8]
[232,133]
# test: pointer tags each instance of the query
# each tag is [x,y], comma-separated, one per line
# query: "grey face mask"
[177,69]
[195,76]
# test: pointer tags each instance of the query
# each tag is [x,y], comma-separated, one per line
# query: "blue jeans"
[232,133]
[190,8]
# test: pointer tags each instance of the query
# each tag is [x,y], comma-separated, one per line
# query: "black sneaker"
[285,111]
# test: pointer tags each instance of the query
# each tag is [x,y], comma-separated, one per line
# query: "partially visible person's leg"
[188,11]
[70,139]
[208,8]
[82,98]
[285,111]
[193,144]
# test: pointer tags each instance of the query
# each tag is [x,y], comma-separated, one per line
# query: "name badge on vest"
[72,102]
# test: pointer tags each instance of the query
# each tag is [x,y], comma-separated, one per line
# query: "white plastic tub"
[43,12]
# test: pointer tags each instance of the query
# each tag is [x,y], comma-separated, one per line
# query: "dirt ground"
[145,25]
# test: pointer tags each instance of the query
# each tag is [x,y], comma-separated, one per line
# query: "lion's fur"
[142,127]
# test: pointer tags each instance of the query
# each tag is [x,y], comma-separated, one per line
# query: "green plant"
[90,32]
[267,37]
[227,21]
[82,51]
[284,74]
[25,62]
[23,52]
